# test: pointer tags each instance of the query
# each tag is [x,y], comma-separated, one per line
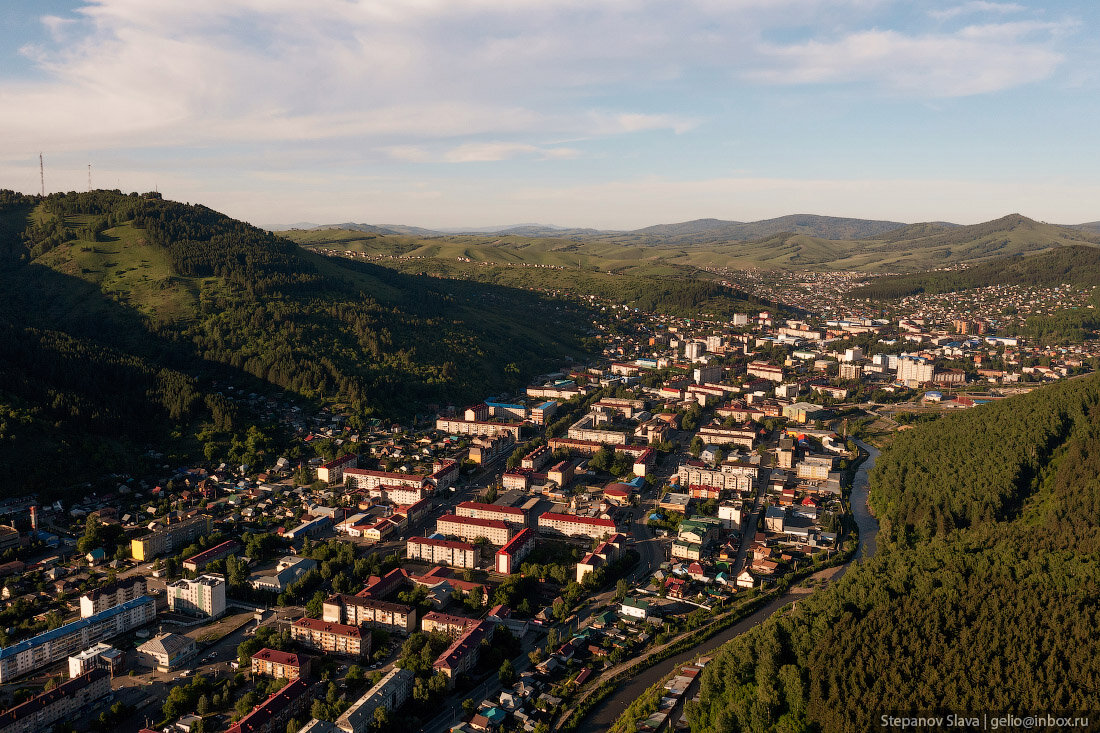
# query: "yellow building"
[169,538]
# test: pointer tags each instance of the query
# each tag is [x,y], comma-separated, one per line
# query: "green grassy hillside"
[628,276]
[160,288]
[817,243]
[1070,265]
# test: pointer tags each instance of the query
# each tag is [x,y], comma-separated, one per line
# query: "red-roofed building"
[509,557]
[272,715]
[197,563]
[387,585]
[452,626]
[572,525]
[477,510]
[451,552]
[332,472]
[280,665]
[361,478]
[462,655]
[331,637]
[469,529]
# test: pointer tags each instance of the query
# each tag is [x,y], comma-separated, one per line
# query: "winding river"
[601,718]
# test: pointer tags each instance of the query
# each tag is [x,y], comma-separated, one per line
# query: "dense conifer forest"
[982,595]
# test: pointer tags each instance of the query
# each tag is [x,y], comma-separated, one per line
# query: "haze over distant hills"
[797,241]
[702,232]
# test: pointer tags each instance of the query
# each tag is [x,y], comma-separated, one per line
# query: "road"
[452,706]
[602,717]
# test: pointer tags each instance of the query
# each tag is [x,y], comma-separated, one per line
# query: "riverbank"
[604,714]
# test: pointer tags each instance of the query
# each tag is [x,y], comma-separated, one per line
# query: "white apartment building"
[203,596]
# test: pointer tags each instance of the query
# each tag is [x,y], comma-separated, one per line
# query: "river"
[601,718]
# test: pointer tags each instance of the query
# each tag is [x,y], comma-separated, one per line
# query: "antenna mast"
[89,178]
[42,173]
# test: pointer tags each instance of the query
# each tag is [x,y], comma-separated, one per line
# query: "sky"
[613,114]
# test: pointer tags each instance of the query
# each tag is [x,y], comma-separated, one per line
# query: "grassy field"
[913,248]
[132,272]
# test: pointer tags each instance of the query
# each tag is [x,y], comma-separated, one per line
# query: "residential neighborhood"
[473,569]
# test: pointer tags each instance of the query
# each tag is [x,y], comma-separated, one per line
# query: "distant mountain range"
[696,231]
[795,242]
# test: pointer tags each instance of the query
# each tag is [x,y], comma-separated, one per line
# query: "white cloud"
[976,6]
[976,60]
[396,72]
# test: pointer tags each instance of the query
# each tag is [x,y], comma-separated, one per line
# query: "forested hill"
[982,595]
[1070,265]
[136,285]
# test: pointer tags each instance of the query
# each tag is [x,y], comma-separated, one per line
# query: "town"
[482,568]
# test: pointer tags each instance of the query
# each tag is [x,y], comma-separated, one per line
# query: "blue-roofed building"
[507,409]
[72,638]
[541,414]
[312,528]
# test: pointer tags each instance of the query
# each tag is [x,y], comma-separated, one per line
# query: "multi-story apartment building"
[717,435]
[484,450]
[765,370]
[169,538]
[442,552]
[575,526]
[203,596]
[356,611]
[462,655]
[536,459]
[111,595]
[913,370]
[280,665]
[444,623]
[477,427]
[66,702]
[331,637]
[729,476]
[477,510]
[510,556]
[469,529]
[273,714]
[588,428]
[402,495]
[64,641]
[332,472]
[564,392]
[390,693]
[361,478]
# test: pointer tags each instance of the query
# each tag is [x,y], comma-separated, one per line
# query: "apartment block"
[469,529]
[65,641]
[477,510]
[66,702]
[442,552]
[511,555]
[390,693]
[331,637]
[573,526]
[280,665]
[111,595]
[169,538]
[203,596]
[356,611]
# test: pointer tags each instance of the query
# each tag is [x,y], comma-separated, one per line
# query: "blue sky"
[614,114]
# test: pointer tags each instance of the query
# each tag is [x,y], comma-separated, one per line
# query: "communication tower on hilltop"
[89,178]
[42,173]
